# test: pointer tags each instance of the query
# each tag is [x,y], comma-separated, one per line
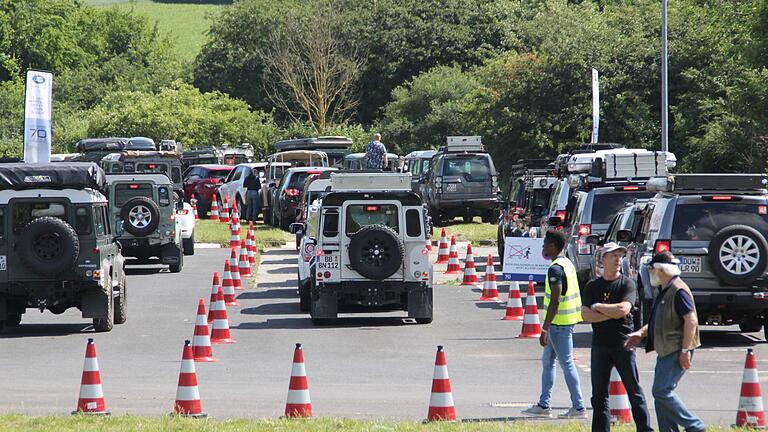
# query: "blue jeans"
[560,347]
[670,410]
[252,211]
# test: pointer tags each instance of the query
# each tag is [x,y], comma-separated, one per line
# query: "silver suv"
[371,248]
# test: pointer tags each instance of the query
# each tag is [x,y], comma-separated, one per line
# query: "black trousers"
[603,359]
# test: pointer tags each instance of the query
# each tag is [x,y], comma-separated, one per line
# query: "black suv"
[716,224]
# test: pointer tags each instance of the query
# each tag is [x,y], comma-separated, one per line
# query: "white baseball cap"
[612,247]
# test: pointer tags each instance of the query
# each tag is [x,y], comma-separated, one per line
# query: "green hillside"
[186,24]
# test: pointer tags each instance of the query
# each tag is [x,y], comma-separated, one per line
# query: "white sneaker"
[537,411]
[573,413]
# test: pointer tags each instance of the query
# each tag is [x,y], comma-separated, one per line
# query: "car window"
[237,174]
[472,169]
[107,220]
[216,174]
[159,168]
[126,191]
[703,221]
[331,224]
[176,174]
[25,212]
[98,219]
[2,220]
[606,205]
[83,220]
[297,180]
[614,227]
[412,223]
[360,215]
[414,167]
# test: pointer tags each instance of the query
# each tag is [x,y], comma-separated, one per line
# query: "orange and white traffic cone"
[441,406]
[750,412]
[490,289]
[214,215]
[215,286]
[514,310]
[225,211]
[234,237]
[470,276]
[187,394]
[91,399]
[442,249]
[618,401]
[220,331]
[228,286]
[298,403]
[194,210]
[235,216]
[454,267]
[531,324]
[234,271]
[251,248]
[201,341]
[244,265]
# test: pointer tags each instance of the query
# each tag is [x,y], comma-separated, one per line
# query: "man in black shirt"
[252,185]
[608,303]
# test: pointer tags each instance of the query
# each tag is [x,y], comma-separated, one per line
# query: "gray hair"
[377,136]
[670,270]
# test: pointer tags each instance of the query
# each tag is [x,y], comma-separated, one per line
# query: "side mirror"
[554,221]
[624,235]
[296,228]
[593,239]
[311,240]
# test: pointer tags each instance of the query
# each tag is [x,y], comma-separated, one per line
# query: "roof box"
[378,181]
[622,164]
[702,183]
[323,142]
[101,144]
[464,144]
[71,175]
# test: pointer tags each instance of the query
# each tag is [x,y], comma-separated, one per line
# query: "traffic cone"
[470,276]
[298,403]
[220,330]
[251,247]
[225,211]
[234,237]
[750,412]
[244,265]
[490,290]
[187,394]
[618,401]
[514,304]
[228,286]
[234,271]
[453,258]
[531,325]
[441,399]
[214,216]
[442,249]
[194,210]
[215,286]
[91,399]
[201,341]
[235,216]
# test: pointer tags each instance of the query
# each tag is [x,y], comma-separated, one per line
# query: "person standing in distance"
[673,332]
[252,184]
[376,154]
[608,303]
[562,301]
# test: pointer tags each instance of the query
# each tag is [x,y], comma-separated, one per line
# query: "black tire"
[423,320]
[751,324]
[48,246]
[468,219]
[375,251]
[189,244]
[121,304]
[102,325]
[304,299]
[13,320]
[732,235]
[134,214]
[176,268]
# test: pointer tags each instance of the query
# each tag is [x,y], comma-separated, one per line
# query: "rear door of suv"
[467,176]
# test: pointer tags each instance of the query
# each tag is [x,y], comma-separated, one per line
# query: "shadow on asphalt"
[306,323]
[36,330]
[491,305]
[142,271]
[291,308]
[284,261]
[271,294]
[273,252]
[283,270]
[282,284]
[726,338]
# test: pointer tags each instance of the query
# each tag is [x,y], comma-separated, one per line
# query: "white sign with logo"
[523,259]
[37,116]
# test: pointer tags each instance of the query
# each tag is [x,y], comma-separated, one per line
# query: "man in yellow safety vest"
[562,302]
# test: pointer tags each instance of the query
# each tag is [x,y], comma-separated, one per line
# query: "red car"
[201,182]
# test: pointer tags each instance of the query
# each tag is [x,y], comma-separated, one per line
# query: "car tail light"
[95,250]
[722,198]
[133,186]
[96,275]
[182,212]
[762,210]
[584,231]
[173,217]
[320,252]
[371,208]
[561,214]
[662,246]
[319,274]
[327,274]
[292,192]
[152,166]
[629,188]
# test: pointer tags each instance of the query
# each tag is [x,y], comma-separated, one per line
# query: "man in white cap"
[608,304]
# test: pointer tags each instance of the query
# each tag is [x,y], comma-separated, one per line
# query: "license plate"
[328,262]
[690,264]
[450,187]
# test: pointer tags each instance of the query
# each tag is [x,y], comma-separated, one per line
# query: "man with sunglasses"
[673,332]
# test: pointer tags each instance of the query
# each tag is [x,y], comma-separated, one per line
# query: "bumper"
[364,295]
[476,207]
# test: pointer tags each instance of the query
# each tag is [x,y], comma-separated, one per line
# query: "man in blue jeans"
[673,332]
[562,302]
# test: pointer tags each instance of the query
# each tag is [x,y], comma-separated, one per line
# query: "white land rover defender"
[371,248]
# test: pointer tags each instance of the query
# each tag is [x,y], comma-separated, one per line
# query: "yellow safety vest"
[569,308]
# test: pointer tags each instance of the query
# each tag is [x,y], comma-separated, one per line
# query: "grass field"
[23,423]
[186,24]
[474,232]
[207,231]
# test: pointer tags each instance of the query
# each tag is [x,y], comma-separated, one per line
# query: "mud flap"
[420,303]
[3,309]
[324,303]
[171,254]
[95,305]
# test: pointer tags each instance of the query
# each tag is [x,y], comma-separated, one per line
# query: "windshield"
[218,174]
[703,221]
[471,168]
[607,205]
[124,192]
[297,180]
[360,215]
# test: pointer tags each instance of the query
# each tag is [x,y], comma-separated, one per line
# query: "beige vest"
[668,326]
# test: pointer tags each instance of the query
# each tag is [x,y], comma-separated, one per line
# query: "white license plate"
[690,264]
[450,187]
[328,262]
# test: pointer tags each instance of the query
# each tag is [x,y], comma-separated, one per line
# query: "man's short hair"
[377,136]
[556,238]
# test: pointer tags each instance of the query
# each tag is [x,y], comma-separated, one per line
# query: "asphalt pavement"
[364,366]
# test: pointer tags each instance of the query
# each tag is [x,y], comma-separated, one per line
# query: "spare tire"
[48,246]
[141,216]
[738,254]
[375,251]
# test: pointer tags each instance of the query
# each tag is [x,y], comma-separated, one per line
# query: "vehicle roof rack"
[463,144]
[370,181]
[72,175]
[101,144]
[715,183]
[593,147]
[321,142]
[617,166]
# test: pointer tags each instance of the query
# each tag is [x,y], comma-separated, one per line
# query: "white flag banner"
[38,100]
[595,105]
